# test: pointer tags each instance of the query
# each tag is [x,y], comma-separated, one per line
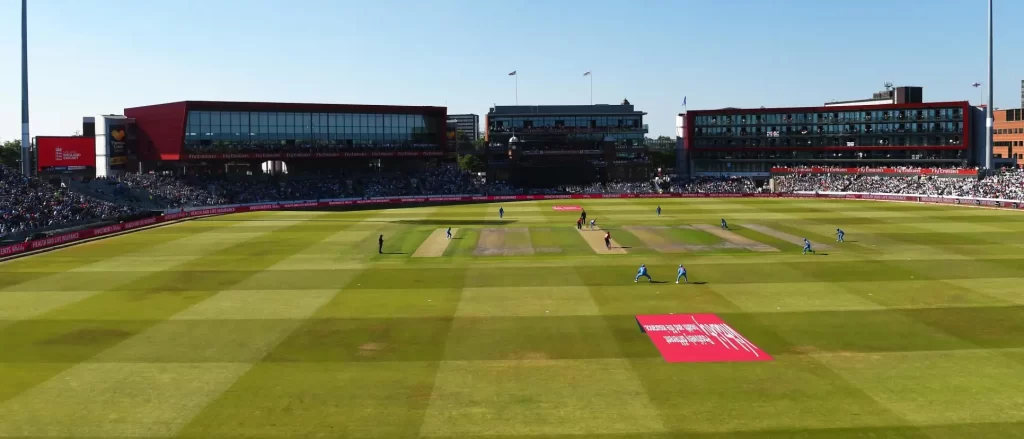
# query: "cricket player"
[840,234]
[501,212]
[592,222]
[642,272]
[807,246]
[608,240]
[449,233]
[583,216]
[681,273]
[659,211]
[380,244]
[725,225]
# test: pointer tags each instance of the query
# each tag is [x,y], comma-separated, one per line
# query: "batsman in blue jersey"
[642,272]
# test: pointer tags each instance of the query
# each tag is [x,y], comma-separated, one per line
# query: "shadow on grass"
[393,253]
[444,222]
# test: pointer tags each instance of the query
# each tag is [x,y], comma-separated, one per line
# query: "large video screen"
[65,153]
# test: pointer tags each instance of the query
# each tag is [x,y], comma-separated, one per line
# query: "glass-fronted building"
[566,144]
[226,131]
[755,140]
[202,130]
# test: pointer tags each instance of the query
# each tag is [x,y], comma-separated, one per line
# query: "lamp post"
[25,139]
[989,122]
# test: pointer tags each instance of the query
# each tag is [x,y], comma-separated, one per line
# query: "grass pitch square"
[574,397]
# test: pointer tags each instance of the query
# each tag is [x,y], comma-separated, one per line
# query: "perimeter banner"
[176,214]
[878,171]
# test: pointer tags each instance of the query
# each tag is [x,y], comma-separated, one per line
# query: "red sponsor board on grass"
[693,338]
[565,208]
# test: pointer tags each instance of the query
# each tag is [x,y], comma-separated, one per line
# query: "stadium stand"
[29,205]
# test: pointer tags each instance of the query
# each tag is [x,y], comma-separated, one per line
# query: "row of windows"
[565,122]
[1009,131]
[1015,115]
[206,146]
[853,128]
[1009,143]
[1011,156]
[214,125]
[832,117]
[867,141]
[333,138]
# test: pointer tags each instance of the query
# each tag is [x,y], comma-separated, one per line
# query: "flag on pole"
[586,74]
[976,85]
[684,101]
[513,73]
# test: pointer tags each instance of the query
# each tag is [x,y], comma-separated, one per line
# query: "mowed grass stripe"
[370,361]
[330,365]
[169,351]
[795,380]
[469,395]
[76,332]
[53,291]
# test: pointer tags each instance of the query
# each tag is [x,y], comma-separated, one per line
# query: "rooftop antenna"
[888,86]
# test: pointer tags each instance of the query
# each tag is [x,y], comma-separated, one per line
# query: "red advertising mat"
[693,338]
[563,208]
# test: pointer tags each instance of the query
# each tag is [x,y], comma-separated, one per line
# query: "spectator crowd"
[1007,185]
[29,204]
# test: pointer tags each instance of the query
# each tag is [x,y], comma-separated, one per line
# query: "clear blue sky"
[89,57]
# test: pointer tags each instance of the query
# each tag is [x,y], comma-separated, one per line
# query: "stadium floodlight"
[989,123]
[25,140]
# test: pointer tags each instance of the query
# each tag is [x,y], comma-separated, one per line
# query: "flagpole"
[517,87]
[591,88]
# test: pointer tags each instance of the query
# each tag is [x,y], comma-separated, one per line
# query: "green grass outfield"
[289,324]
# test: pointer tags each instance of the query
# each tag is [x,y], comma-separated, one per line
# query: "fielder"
[682,274]
[725,225]
[449,233]
[642,272]
[659,211]
[840,235]
[807,246]
[501,212]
